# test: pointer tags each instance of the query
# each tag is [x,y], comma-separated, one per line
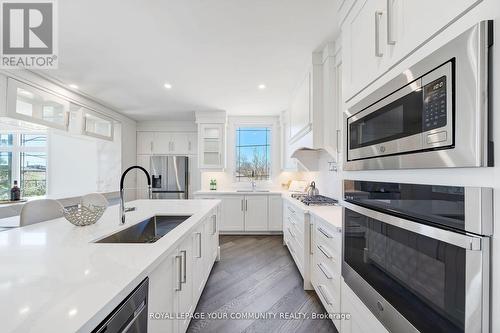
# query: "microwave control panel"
[434,113]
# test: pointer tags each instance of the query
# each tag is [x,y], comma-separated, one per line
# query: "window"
[253,153]
[23,157]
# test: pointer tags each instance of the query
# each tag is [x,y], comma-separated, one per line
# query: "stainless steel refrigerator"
[170,177]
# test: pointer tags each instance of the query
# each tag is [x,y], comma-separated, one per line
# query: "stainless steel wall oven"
[434,114]
[418,256]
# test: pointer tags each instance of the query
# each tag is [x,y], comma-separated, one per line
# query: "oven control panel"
[434,113]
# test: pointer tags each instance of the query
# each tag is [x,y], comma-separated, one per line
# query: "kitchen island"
[55,278]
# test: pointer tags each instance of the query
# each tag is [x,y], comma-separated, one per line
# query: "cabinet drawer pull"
[199,244]
[325,271]
[184,265]
[311,233]
[325,233]
[178,259]
[214,220]
[390,38]
[325,252]
[378,15]
[324,294]
[290,209]
[291,233]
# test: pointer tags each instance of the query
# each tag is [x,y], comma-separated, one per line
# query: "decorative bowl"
[82,215]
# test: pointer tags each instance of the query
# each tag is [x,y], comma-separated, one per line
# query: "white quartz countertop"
[331,214]
[241,192]
[53,278]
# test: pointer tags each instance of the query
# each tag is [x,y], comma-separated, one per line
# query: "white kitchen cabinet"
[361,319]
[256,210]
[275,213]
[377,34]
[436,15]
[161,294]
[212,230]
[362,46]
[97,125]
[300,108]
[33,105]
[200,259]
[287,162]
[326,259]
[233,213]
[211,141]
[184,275]
[145,143]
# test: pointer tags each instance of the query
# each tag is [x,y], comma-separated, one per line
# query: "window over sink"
[253,153]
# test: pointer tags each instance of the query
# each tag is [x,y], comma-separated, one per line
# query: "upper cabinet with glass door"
[97,125]
[33,105]
[211,146]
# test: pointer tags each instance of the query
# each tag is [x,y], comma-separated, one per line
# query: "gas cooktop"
[315,200]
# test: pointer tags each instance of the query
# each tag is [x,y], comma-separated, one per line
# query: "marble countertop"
[54,278]
[331,214]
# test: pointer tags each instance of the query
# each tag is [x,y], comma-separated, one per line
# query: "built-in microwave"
[433,115]
[418,256]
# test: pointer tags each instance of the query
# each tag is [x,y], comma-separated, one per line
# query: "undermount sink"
[147,231]
[251,191]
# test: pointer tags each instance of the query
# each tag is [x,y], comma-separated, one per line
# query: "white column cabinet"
[256,209]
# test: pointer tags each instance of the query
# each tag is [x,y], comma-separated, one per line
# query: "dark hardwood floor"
[256,274]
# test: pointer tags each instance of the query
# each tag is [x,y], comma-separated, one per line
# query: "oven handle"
[467,242]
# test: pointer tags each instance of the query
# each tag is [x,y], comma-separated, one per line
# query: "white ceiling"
[214,53]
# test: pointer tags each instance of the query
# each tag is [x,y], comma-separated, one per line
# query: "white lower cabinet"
[175,286]
[259,213]
[233,214]
[184,275]
[275,213]
[361,319]
[326,277]
[256,213]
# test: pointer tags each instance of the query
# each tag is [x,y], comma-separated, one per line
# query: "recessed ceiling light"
[167,86]
[262,86]
[74,86]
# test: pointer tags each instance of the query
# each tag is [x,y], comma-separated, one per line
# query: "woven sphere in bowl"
[82,215]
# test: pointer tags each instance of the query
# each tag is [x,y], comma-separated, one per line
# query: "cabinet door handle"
[199,244]
[178,259]
[324,294]
[184,265]
[325,271]
[390,38]
[325,252]
[242,205]
[290,209]
[189,145]
[325,233]
[214,219]
[378,15]
[311,232]
[246,205]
